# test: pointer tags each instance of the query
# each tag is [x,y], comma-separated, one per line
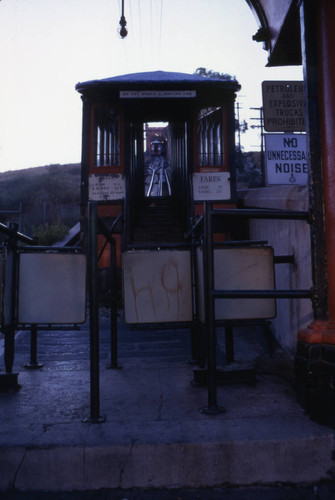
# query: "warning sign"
[284,106]
[286,159]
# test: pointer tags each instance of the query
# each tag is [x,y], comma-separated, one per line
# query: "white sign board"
[154,94]
[286,159]
[52,288]
[240,269]
[284,106]
[211,186]
[157,286]
[106,187]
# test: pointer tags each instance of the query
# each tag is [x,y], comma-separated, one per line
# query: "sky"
[47,46]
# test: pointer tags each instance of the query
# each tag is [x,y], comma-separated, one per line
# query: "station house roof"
[158,78]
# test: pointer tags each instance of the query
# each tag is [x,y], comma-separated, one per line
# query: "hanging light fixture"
[123,32]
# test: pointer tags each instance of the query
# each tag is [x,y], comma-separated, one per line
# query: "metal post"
[195,326]
[113,326]
[33,364]
[212,407]
[95,416]
[229,337]
[311,66]
[10,298]
[8,381]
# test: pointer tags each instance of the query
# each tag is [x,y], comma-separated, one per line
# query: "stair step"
[158,222]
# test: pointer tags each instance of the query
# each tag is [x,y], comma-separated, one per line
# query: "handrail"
[51,249]
[20,236]
[263,294]
[107,233]
[153,170]
[159,246]
[195,226]
[259,213]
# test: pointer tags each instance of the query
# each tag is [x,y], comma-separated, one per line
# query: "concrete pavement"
[154,435]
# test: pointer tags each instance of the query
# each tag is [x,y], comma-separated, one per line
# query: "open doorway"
[157,170]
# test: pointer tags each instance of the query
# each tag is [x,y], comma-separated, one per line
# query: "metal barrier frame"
[211,294]
[10,320]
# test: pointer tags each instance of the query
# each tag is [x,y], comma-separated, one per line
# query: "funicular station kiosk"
[154,146]
[158,148]
[144,136]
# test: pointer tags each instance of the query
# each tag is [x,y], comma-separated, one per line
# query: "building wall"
[287,238]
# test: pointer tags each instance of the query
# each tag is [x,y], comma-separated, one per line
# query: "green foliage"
[48,234]
[248,170]
[209,73]
[242,126]
[46,194]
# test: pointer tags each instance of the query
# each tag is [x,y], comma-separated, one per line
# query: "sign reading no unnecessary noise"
[286,159]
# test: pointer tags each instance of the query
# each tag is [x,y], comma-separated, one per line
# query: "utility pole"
[260,125]
[238,107]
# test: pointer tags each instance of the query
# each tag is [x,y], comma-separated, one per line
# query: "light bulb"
[123,32]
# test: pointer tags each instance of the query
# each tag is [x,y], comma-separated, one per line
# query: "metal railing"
[8,320]
[17,243]
[211,294]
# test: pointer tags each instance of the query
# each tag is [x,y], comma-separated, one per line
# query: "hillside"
[50,195]
[47,195]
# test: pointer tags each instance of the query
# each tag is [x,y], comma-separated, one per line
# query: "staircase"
[158,222]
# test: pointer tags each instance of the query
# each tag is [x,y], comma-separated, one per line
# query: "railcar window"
[210,137]
[107,141]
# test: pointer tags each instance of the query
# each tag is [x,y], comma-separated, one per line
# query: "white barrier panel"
[240,268]
[157,286]
[52,288]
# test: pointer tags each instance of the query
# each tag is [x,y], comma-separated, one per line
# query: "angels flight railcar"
[153,145]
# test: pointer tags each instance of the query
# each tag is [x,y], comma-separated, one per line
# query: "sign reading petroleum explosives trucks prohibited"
[284,106]
[286,159]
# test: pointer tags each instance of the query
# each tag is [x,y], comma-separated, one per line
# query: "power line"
[151,30]
[160,30]
[140,29]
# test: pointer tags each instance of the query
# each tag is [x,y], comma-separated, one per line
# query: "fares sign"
[286,159]
[284,106]
[211,186]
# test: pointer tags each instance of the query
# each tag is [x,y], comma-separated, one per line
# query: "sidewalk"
[154,435]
